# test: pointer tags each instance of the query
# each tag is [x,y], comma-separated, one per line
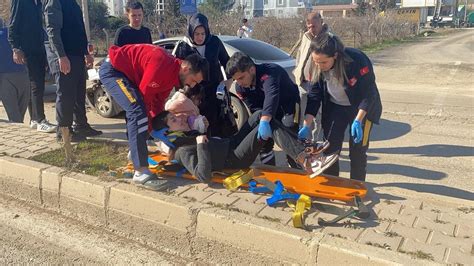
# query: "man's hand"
[89,61]
[201,139]
[64,65]
[19,57]
[356,131]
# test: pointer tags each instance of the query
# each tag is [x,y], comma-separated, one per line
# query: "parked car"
[259,51]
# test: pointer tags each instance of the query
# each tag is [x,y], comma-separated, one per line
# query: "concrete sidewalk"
[407,228]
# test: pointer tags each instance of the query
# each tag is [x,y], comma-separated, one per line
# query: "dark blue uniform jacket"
[274,93]
[360,88]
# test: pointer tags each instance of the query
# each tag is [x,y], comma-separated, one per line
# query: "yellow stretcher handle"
[302,205]
[237,179]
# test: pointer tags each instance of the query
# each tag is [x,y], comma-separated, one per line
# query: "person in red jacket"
[140,77]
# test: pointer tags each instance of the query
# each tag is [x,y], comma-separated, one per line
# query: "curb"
[179,225]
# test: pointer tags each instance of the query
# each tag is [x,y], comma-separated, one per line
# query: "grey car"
[259,51]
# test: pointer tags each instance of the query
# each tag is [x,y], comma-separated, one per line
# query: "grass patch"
[466,210]
[92,157]
[384,246]
[418,254]
[391,234]
[375,47]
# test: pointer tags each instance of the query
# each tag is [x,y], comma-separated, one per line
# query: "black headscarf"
[195,21]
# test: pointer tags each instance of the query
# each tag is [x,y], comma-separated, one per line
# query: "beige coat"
[303,55]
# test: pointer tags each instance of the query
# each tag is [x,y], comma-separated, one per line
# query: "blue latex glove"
[304,133]
[264,130]
[356,131]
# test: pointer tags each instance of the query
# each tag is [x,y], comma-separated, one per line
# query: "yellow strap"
[237,179]
[302,205]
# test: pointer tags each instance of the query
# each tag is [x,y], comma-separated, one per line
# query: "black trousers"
[36,64]
[71,93]
[245,146]
[335,120]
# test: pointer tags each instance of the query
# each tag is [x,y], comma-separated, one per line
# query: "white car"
[259,51]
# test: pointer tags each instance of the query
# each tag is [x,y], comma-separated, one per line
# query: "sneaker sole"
[141,182]
[326,166]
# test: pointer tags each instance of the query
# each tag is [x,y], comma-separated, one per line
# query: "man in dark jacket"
[265,87]
[68,56]
[27,40]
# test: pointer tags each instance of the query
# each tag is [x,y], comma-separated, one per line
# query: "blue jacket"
[360,88]
[274,93]
[6,54]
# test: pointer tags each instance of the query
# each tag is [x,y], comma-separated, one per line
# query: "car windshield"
[258,50]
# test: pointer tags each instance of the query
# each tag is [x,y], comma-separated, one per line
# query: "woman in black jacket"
[199,40]
[345,87]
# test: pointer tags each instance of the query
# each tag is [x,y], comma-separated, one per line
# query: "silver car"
[259,51]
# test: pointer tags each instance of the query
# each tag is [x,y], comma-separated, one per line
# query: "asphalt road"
[424,142]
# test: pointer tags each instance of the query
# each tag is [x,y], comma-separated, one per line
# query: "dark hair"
[198,64]
[160,121]
[329,44]
[239,62]
[244,20]
[133,5]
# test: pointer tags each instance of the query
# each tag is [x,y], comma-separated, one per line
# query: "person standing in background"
[69,56]
[245,31]
[14,85]
[305,68]
[134,32]
[26,38]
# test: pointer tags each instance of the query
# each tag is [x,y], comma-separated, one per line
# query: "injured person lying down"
[201,155]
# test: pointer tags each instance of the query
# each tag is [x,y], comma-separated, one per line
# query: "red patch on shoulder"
[264,77]
[364,70]
[352,82]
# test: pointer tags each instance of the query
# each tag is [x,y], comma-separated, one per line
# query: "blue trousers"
[127,95]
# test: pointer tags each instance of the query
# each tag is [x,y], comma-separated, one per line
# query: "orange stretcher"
[295,181]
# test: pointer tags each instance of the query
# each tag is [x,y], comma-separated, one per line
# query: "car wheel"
[104,104]
[240,111]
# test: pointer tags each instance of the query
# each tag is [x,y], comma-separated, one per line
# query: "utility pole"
[85,13]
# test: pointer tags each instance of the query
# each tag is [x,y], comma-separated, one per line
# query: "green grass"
[375,47]
[95,158]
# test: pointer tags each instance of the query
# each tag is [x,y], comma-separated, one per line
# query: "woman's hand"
[201,139]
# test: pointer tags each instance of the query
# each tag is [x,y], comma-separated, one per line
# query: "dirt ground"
[33,236]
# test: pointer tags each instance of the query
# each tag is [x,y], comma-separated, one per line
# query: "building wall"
[116,7]
[278,8]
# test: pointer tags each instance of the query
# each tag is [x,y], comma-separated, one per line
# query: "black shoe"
[74,137]
[86,131]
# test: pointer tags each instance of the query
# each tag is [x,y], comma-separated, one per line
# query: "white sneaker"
[320,163]
[45,126]
[141,177]
[33,124]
